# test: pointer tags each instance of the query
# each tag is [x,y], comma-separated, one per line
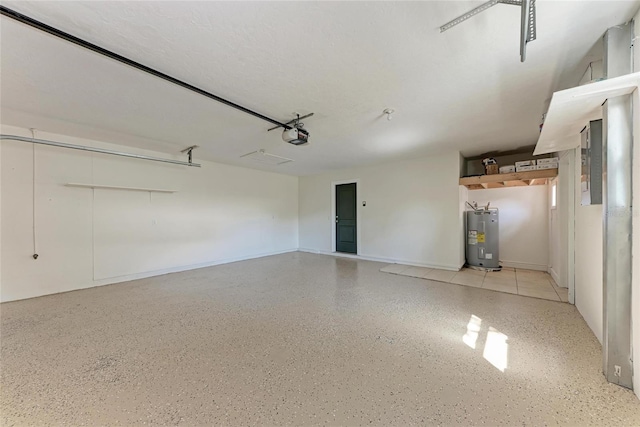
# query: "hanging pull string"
[33,192]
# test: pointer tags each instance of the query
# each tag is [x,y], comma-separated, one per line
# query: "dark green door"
[346,240]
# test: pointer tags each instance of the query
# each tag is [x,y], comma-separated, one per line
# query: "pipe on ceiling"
[95,150]
[10,13]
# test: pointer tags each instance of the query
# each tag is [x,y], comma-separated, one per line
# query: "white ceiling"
[464,89]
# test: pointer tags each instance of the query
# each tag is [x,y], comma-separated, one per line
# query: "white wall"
[565,240]
[91,237]
[524,224]
[588,258]
[412,214]
[555,262]
[566,207]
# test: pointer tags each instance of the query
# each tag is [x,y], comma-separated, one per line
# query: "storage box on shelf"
[547,166]
[549,161]
[491,169]
[525,163]
[508,169]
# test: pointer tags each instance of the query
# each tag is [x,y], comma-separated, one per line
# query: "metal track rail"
[10,13]
[95,150]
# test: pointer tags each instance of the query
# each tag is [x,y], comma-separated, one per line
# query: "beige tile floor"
[529,283]
[301,339]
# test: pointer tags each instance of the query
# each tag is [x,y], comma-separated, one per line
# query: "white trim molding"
[554,276]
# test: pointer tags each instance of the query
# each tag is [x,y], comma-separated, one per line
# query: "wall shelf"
[517,179]
[572,109]
[114,187]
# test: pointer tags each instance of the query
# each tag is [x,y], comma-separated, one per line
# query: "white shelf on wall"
[114,187]
[572,109]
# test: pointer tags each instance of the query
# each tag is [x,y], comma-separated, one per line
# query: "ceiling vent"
[264,157]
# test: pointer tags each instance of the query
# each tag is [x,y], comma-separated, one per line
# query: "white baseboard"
[382,259]
[554,276]
[524,265]
[136,276]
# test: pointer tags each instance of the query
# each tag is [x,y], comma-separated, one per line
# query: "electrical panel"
[591,160]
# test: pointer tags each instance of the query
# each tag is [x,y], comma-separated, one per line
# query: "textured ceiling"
[464,89]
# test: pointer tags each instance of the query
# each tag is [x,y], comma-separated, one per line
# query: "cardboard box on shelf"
[525,163]
[508,169]
[549,161]
[525,168]
[547,166]
[491,169]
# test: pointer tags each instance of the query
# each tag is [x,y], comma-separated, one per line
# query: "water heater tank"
[482,239]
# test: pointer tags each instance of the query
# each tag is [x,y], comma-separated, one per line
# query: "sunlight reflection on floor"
[496,348]
[473,329]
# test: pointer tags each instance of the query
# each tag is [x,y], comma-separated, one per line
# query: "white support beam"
[617,225]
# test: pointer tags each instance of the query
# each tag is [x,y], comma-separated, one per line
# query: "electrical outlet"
[617,371]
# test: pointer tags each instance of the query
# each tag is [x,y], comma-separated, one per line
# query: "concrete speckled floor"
[300,339]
